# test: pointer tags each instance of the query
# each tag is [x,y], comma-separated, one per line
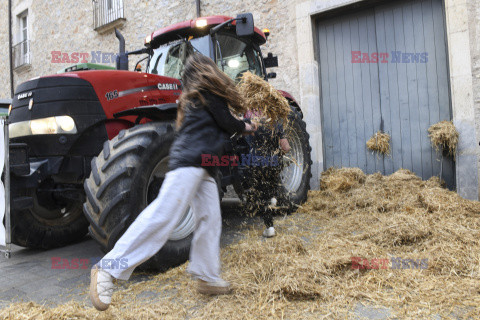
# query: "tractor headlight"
[51,125]
[148,39]
[43,126]
[201,23]
[233,63]
[66,123]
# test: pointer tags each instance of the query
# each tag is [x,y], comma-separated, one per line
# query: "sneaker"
[214,288]
[101,288]
[269,232]
[273,203]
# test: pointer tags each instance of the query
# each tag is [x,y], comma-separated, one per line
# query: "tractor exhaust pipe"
[122,58]
[121,41]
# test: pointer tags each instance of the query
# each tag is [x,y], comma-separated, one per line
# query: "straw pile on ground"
[342,179]
[379,142]
[306,272]
[262,97]
[444,137]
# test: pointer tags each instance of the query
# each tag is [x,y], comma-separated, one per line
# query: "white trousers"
[151,229]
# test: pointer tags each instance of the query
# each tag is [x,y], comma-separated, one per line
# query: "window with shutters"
[21,50]
[107,14]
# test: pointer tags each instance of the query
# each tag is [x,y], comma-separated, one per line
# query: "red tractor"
[89,148]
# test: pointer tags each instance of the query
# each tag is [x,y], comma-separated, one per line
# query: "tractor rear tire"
[297,174]
[120,186]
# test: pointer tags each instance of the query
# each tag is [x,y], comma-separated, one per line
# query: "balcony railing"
[21,54]
[106,12]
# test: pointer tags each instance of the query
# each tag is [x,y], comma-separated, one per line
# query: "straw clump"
[379,142]
[342,248]
[342,179]
[262,98]
[444,137]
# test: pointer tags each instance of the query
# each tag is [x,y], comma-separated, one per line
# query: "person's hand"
[250,128]
[284,145]
[236,116]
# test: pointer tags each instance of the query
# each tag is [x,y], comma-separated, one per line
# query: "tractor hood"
[119,90]
[89,98]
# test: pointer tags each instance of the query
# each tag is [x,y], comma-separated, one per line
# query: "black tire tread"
[106,212]
[111,179]
[131,136]
[106,149]
[94,225]
[115,170]
[96,176]
[308,172]
[112,159]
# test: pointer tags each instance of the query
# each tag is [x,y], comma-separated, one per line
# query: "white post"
[5,230]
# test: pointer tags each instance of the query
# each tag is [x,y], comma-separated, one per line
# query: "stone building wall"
[67,26]
[4,62]
[474,33]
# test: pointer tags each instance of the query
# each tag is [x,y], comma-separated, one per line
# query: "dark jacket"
[204,131]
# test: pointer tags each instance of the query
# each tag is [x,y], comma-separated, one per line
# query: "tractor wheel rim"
[292,174]
[52,217]
[186,225]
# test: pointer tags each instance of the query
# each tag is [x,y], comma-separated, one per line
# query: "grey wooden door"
[402,92]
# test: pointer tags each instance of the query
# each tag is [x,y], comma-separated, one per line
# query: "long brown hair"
[201,74]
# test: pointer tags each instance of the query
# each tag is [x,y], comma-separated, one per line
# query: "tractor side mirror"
[271,75]
[270,61]
[244,25]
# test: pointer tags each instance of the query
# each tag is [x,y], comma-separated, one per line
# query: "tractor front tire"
[40,227]
[125,178]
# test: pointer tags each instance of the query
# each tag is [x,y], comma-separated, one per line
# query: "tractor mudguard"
[156,112]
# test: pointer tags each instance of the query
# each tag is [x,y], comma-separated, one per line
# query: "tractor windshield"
[168,60]
[238,56]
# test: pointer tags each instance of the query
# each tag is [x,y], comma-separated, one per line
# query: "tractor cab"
[233,43]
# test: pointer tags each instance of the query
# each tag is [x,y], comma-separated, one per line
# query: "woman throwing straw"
[204,122]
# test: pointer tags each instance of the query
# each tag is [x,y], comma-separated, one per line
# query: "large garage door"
[385,69]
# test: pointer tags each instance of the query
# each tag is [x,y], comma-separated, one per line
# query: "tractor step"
[19,163]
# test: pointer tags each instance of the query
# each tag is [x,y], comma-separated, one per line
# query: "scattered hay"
[403,175]
[306,272]
[341,179]
[379,142]
[262,97]
[444,136]
[401,215]
[75,310]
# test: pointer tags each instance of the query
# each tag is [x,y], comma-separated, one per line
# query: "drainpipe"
[197,2]
[10,52]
